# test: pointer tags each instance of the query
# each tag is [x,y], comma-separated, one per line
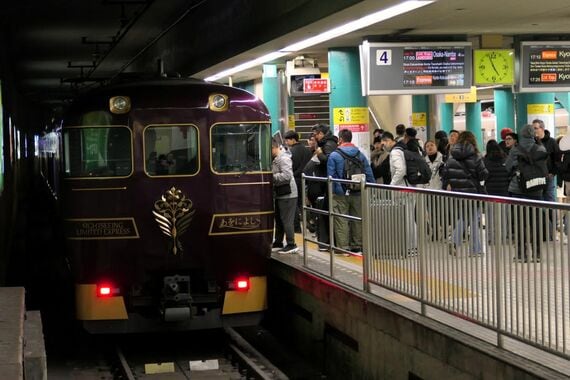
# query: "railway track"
[234,358]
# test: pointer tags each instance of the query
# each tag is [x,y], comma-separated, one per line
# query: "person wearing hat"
[503,143]
[300,155]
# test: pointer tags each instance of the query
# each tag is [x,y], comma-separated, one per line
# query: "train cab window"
[241,148]
[171,150]
[97,151]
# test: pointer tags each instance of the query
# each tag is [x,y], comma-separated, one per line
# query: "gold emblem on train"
[173,213]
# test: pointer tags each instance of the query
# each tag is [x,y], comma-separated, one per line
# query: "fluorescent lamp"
[363,22]
[349,27]
[246,65]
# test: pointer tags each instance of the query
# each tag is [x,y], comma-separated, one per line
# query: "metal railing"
[502,263]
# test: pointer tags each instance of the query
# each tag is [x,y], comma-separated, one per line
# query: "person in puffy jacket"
[497,183]
[540,157]
[464,171]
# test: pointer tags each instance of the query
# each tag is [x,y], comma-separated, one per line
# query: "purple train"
[167,202]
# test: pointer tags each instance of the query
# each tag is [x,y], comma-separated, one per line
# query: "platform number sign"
[383,57]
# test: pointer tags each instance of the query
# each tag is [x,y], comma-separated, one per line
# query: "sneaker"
[289,248]
[276,246]
[322,248]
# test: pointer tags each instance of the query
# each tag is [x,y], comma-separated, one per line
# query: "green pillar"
[564,99]
[446,112]
[504,110]
[536,105]
[421,116]
[291,112]
[271,95]
[473,122]
[348,108]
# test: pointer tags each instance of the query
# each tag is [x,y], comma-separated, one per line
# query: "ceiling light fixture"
[363,22]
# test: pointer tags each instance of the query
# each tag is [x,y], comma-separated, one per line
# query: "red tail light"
[107,290]
[241,283]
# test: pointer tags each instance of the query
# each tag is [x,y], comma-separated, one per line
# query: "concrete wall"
[391,111]
[353,336]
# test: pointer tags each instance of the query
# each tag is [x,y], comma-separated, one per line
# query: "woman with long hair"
[464,171]
[497,183]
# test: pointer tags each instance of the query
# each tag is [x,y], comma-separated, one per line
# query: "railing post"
[331,223]
[421,247]
[498,235]
[365,225]
[304,217]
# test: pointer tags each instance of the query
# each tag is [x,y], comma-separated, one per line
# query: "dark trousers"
[284,216]
[524,230]
[323,222]
[300,199]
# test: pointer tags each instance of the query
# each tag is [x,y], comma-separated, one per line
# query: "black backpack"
[353,170]
[564,166]
[417,169]
[531,174]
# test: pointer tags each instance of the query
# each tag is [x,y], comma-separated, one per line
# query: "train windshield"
[241,148]
[97,151]
[171,150]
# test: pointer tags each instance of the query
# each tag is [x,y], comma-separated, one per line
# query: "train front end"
[168,206]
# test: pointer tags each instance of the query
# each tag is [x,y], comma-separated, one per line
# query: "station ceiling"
[55,48]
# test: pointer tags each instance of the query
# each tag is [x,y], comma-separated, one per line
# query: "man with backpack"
[347,162]
[408,168]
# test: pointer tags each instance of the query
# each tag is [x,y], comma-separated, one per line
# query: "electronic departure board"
[422,68]
[545,66]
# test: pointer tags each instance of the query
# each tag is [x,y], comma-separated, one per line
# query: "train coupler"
[176,299]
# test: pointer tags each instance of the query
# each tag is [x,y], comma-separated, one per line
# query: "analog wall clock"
[494,66]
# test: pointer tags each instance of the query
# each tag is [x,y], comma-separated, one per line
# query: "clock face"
[494,66]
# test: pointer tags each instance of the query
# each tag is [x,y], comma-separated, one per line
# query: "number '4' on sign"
[383,57]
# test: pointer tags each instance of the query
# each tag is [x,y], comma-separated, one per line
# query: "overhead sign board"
[316,86]
[469,97]
[545,66]
[416,68]
[298,83]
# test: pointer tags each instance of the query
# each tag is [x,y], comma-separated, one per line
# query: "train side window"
[241,148]
[95,152]
[171,150]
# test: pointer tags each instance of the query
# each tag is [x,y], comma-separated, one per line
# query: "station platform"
[22,348]
[389,335]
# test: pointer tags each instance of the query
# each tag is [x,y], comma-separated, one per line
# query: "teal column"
[421,116]
[346,93]
[536,105]
[291,113]
[473,122]
[564,99]
[446,113]
[271,95]
[504,110]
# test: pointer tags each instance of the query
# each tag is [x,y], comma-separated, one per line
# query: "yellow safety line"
[435,285]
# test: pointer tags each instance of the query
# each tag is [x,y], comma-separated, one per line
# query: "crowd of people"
[522,165]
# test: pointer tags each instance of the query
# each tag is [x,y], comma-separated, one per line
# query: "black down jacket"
[464,169]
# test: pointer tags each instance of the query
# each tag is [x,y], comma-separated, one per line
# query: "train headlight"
[120,104]
[218,102]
